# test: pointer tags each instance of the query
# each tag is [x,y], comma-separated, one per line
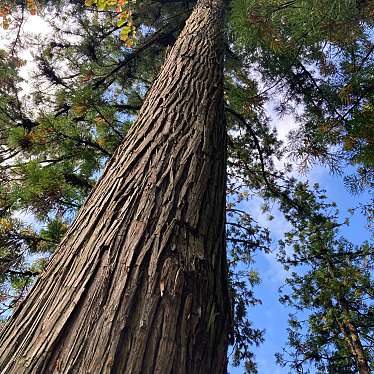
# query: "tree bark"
[354,339]
[348,329]
[139,283]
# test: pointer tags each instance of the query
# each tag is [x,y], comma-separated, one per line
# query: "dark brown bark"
[138,285]
[354,339]
[348,329]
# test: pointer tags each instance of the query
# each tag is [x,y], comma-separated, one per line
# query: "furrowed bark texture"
[138,285]
[350,331]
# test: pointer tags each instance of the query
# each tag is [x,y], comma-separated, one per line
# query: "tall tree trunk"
[349,331]
[354,338]
[347,327]
[138,285]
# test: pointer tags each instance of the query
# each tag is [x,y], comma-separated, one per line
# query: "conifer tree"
[331,286]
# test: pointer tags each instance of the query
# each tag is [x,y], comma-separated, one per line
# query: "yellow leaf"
[344,94]
[99,120]
[5,23]
[101,4]
[5,224]
[80,110]
[349,143]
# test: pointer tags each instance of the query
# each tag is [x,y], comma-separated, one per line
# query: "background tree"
[331,286]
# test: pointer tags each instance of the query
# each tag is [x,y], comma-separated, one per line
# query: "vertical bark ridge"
[351,332]
[347,327]
[138,285]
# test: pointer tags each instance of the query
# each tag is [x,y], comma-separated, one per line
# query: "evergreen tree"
[106,100]
[332,284]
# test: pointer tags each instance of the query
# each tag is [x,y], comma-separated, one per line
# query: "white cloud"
[33,26]
[36,25]
[27,218]
[283,124]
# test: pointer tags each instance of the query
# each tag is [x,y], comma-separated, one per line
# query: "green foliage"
[320,55]
[244,236]
[18,243]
